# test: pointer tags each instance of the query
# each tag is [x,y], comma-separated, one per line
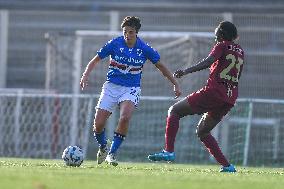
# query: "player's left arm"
[166,72]
[203,64]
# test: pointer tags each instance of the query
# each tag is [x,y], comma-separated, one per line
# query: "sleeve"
[152,54]
[217,51]
[106,50]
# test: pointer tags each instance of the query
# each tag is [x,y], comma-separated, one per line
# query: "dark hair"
[131,21]
[228,30]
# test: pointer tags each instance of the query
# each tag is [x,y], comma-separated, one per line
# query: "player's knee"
[200,131]
[172,111]
[197,131]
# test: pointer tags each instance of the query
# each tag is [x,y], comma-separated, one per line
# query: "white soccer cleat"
[101,155]
[111,160]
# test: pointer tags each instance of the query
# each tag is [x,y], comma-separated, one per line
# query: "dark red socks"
[213,148]
[171,132]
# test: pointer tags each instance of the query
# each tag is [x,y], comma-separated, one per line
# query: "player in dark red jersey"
[213,100]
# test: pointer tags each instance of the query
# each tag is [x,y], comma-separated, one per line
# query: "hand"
[84,81]
[177,91]
[178,73]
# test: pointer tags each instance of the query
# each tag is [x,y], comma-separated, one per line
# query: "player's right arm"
[88,70]
[203,64]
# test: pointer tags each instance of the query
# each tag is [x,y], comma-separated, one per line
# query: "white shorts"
[113,94]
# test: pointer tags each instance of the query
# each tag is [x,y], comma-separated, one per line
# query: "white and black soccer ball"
[73,156]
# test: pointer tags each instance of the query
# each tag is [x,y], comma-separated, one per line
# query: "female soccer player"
[213,100]
[128,54]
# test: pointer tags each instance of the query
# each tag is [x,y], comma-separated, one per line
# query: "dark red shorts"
[207,100]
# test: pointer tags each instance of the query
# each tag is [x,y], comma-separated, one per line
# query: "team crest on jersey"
[121,49]
[139,52]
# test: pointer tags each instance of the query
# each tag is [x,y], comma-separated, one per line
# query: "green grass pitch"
[53,174]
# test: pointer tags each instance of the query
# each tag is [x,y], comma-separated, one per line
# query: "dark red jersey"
[225,72]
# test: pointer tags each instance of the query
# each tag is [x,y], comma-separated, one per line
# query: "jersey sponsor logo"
[124,68]
[128,59]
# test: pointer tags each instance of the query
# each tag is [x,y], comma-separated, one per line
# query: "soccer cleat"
[111,160]
[229,169]
[162,156]
[101,155]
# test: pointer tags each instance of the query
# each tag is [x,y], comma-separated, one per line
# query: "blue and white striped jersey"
[126,63]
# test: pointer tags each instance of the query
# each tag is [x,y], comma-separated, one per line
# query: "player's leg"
[205,125]
[175,112]
[127,102]
[192,104]
[126,109]
[180,109]
[99,133]
[100,120]
[104,108]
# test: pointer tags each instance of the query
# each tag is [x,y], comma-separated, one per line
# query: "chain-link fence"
[42,125]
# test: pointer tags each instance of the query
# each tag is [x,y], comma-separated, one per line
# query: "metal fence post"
[77,62]
[247,137]
[18,110]
[4,27]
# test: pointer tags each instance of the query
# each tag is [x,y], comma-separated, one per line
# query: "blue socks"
[101,139]
[116,142]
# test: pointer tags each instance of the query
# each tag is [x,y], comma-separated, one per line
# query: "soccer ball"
[73,156]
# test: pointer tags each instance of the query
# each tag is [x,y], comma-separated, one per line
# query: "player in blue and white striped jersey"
[128,54]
